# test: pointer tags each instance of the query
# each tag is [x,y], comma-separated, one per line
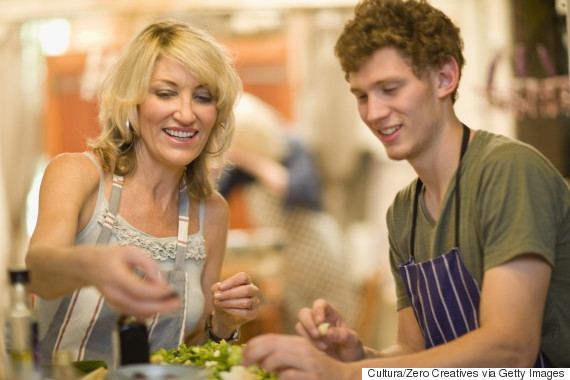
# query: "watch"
[235,335]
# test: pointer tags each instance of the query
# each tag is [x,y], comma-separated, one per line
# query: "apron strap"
[111,215]
[183,219]
[464,144]
[419,185]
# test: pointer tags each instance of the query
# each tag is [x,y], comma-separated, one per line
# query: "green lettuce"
[216,357]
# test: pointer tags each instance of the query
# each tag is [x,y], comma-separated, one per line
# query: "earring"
[130,136]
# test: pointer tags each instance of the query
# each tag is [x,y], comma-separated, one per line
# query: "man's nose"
[376,110]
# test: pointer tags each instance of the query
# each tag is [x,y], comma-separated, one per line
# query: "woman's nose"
[185,112]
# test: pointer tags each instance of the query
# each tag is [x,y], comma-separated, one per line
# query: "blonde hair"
[127,84]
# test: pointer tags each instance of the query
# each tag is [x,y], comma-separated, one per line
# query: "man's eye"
[361,98]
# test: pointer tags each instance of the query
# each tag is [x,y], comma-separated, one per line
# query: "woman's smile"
[183,135]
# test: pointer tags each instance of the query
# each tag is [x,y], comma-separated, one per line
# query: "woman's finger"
[237,279]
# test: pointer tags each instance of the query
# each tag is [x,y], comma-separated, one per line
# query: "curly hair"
[127,84]
[424,35]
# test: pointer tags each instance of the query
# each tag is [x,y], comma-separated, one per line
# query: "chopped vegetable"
[323,328]
[218,358]
[98,374]
[87,366]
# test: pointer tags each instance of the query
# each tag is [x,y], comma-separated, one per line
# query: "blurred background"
[53,54]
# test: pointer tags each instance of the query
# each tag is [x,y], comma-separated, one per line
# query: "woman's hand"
[143,293]
[235,301]
[337,339]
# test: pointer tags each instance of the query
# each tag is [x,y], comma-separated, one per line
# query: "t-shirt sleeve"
[399,222]
[519,200]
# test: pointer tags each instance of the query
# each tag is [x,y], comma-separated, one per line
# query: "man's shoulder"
[492,144]
[490,149]
[404,197]
[499,162]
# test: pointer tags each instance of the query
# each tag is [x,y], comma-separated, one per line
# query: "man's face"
[402,110]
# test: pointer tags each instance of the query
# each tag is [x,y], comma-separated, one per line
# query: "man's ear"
[447,77]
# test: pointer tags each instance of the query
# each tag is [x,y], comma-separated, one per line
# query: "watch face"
[236,334]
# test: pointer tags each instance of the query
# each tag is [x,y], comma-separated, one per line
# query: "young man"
[479,243]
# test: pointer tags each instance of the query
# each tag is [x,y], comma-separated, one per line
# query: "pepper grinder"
[130,341]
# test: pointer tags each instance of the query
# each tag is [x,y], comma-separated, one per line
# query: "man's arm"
[409,338]
[512,305]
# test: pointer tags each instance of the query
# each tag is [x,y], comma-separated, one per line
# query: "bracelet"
[235,335]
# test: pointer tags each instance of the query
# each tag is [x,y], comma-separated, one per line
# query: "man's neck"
[438,166]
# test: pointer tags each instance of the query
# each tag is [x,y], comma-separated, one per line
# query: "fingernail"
[322,345]
[139,272]
[174,294]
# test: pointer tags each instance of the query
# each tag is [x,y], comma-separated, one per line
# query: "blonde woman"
[142,201]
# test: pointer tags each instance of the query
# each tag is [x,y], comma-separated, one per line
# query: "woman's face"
[176,117]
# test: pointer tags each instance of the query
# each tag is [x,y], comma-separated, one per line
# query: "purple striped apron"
[443,294]
[165,330]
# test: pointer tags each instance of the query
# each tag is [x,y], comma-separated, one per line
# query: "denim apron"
[443,294]
[165,330]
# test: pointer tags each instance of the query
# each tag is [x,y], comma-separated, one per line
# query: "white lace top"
[162,250]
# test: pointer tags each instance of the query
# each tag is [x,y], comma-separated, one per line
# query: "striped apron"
[443,294]
[95,342]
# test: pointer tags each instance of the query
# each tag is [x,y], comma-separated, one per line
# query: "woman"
[135,226]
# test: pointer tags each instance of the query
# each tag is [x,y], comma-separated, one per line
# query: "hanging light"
[54,36]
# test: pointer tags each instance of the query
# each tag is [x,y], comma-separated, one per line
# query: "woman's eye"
[165,94]
[203,97]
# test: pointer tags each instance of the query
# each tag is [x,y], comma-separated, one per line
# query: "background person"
[479,242]
[281,188]
[143,198]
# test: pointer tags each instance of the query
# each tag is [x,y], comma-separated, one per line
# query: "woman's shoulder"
[216,210]
[74,169]
[216,205]
[72,161]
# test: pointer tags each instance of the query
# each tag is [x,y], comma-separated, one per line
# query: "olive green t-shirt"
[513,201]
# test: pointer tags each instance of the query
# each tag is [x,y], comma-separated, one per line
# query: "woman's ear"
[447,77]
